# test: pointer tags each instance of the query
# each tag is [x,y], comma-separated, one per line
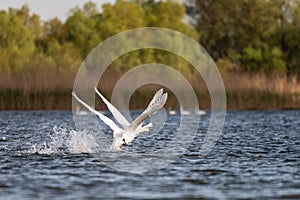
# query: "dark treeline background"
[255,44]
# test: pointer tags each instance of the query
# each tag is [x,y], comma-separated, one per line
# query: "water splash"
[64,141]
[82,142]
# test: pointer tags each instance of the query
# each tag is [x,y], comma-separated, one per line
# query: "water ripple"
[44,157]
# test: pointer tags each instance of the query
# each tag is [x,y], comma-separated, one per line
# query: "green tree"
[33,22]
[90,9]
[240,31]
[123,15]
[286,36]
[16,42]
[81,29]
[52,37]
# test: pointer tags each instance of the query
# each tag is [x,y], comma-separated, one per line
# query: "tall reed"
[40,90]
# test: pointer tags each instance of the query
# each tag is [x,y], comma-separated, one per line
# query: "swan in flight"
[129,131]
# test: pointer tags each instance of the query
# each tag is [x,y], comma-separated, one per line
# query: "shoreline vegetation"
[268,93]
[257,52]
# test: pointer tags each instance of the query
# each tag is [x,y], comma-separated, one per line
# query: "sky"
[48,9]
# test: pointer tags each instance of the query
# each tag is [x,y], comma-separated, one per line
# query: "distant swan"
[81,112]
[129,131]
[200,112]
[172,112]
[184,112]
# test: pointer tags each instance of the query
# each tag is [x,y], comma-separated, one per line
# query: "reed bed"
[243,91]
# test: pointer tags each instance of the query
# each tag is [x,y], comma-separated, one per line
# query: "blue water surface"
[43,156]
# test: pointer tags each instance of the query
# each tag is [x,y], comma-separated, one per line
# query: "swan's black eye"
[124,142]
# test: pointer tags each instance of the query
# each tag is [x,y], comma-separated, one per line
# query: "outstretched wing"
[114,111]
[157,102]
[105,119]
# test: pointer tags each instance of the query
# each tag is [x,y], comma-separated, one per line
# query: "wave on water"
[66,141]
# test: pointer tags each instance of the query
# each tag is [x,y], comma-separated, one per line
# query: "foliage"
[256,35]
[258,39]
[16,42]
[241,35]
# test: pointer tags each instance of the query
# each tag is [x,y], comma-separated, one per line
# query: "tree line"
[30,45]
[257,36]
[250,36]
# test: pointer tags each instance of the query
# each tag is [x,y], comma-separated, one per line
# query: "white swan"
[125,135]
[184,112]
[81,112]
[172,112]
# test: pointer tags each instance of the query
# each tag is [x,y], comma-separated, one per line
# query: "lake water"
[256,157]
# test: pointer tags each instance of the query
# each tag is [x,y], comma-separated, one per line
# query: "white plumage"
[129,131]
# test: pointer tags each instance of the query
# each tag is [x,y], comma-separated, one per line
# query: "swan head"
[128,136]
[117,144]
[124,138]
[121,139]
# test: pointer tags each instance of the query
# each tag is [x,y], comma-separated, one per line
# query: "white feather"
[132,130]
[115,112]
[105,119]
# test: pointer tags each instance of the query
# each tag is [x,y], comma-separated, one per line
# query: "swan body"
[129,131]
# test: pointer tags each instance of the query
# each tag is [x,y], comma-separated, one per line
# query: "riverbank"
[243,92]
[61,100]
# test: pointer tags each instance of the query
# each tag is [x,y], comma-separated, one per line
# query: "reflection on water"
[257,157]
